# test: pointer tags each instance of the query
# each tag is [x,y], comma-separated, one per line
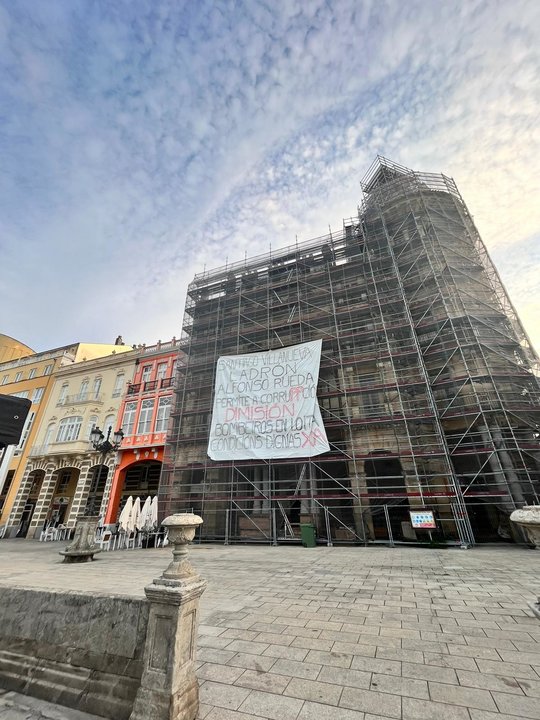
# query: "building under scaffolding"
[427,387]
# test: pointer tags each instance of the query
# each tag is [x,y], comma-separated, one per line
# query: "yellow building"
[64,476]
[33,376]
[11,349]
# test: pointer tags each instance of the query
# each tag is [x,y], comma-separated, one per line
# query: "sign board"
[13,414]
[423,519]
[265,405]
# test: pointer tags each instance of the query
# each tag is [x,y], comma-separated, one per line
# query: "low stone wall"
[84,651]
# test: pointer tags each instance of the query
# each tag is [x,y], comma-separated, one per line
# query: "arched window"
[69,429]
[92,422]
[118,385]
[109,423]
[96,388]
[63,393]
[49,434]
[83,392]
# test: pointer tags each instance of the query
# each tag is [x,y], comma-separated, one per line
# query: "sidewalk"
[289,633]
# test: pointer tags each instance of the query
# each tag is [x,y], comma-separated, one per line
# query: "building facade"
[144,414]
[45,379]
[428,383]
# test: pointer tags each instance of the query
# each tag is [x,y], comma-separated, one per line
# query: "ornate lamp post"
[83,547]
[102,444]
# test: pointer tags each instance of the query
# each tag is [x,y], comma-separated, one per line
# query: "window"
[18,376]
[128,421]
[83,392]
[163,412]
[173,369]
[26,432]
[110,421]
[49,434]
[21,394]
[92,422]
[32,373]
[48,370]
[118,385]
[145,417]
[69,429]
[96,388]
[63,393]
[64,481]
[5,380]
[161,371]
[38,394]
[146,372]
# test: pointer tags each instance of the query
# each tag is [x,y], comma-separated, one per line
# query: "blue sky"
[141,141]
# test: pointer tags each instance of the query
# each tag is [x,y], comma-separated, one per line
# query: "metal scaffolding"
[428,383]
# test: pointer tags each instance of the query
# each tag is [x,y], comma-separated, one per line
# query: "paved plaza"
[290,633]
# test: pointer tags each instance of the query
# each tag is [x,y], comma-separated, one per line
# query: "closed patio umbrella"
[135,514]
[145,518]
[154,513]
[125,515]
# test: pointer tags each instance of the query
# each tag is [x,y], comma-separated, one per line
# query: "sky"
[142,142]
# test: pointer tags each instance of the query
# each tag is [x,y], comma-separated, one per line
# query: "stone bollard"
[169,688]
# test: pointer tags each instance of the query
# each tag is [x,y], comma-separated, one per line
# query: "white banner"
[265,405]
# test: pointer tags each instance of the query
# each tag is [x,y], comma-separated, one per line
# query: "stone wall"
[80,650]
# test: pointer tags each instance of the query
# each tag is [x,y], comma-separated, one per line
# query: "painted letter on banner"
[265,405]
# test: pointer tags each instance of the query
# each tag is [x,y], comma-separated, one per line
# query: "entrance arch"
[387,491]
[35,479]
[139,479]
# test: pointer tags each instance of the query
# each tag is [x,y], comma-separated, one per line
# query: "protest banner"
[265,405]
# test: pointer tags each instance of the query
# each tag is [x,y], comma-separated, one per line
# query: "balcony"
[61,448]
[81,398]
[150,386]
[167,382]
[134,389]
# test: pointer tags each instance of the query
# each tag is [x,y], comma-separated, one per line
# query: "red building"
[144,417]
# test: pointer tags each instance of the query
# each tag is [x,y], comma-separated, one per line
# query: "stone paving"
[290,633]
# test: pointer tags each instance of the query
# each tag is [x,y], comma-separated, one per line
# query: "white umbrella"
[154,513]
[135,514]
[125,515]
[144,517]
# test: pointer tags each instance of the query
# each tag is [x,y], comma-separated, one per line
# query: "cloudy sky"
[142,141]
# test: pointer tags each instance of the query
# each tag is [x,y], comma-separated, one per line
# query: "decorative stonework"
[169,689]
[528,518]
[83,547]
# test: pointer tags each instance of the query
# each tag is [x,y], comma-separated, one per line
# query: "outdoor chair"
[131,540]
[106,540]
[47,534]
[61,532]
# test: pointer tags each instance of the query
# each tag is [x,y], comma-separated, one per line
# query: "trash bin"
[307,533]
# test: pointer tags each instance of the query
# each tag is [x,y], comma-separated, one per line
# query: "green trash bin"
[307,533]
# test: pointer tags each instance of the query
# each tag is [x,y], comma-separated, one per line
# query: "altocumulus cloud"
[143,141]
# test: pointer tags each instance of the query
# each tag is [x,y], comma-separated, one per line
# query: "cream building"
[71,388]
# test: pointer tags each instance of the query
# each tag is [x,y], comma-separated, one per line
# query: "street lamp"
[102,444]
[83,547]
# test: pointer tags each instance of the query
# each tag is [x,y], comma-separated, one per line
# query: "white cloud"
[146,140]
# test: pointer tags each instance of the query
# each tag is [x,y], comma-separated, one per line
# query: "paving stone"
[267,681]
[316,711]
[344,676]
[531,687]
[292,668]
[219,673]
[406,687]
[222,714]
[524,707]
[261,663]
[429,672]
[313,690]
[289,653]
[424,710]
[268,705]
[450,661]
[455,695]
[214,655]
[221,695]
[329,658]
[247,646]
[386,667]
[489,682]
[371,702]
